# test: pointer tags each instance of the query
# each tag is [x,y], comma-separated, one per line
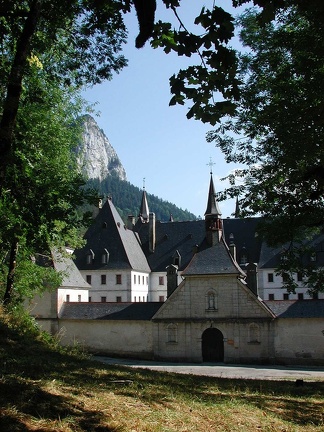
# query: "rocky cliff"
[96,156]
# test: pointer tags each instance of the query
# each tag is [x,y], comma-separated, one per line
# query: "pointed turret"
[144,209]
[213,221]
[212,204]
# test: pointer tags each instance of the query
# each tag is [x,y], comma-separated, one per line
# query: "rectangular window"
[135,299]
[88,279]
[146,280]
[118,279]
[271,296]
[286,296]
[103,279]
[300,296]
[139,279]
[143,280]
[103,299]
[161,298]
[67,298]
[315,296]
[89,300]
[299,276]
[79,298]
[270,277]
[134,279]
[118,299]
[161,280]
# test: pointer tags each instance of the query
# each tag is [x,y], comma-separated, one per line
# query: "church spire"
[212,204]
[213,221]
[144,209]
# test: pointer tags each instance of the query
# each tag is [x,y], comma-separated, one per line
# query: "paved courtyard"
[225,371]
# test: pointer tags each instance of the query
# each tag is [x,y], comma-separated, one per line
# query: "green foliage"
[33,275]
[277,132]
[127,199]
[215,75]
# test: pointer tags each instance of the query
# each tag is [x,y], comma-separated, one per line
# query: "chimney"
[172,278]
[152,232]
[130,222]
[251,277]
[232,246]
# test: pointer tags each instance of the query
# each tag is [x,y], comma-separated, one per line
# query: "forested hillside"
[127,199]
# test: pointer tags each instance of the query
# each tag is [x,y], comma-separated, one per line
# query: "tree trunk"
[11,272]
[14,87]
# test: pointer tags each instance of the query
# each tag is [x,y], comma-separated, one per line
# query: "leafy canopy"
[277,131]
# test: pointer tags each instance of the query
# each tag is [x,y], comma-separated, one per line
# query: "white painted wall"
[275,287]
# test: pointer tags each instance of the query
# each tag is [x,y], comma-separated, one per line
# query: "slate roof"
[245,237]
[297,308]
[212,260]
[109,232]
[109,311]
[171,237]
[72,278]
[212,203]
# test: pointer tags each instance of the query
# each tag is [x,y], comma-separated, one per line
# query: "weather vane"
[210,164]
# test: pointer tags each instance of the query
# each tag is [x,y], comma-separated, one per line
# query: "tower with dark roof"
[213,220]
[144,209]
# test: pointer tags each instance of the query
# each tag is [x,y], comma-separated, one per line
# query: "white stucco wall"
[133,284]
[117,338]
[275,287]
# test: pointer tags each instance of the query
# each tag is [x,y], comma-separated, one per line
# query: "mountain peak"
[96,156]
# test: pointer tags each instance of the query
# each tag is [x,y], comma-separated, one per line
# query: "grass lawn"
[44,388]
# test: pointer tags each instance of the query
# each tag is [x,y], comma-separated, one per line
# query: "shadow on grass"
[28,366]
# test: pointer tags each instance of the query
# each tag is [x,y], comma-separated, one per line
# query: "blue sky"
[155,141]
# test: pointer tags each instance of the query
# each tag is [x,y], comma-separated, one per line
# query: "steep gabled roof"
[213,260]
[108,232]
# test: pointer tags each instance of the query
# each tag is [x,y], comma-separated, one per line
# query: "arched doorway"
[212,345]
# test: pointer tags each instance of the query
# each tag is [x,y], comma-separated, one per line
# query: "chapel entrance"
[212,345]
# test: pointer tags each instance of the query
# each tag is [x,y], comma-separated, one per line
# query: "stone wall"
[109,337]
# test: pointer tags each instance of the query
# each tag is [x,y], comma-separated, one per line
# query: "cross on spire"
[210,164]
[143,182]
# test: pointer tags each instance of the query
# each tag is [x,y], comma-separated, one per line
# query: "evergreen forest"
[127,200]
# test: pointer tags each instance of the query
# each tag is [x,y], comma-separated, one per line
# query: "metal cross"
[210,164]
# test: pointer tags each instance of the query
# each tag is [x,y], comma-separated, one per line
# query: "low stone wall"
[112,338]
[299,341]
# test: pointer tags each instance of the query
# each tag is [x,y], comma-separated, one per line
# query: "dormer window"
[90,256]
[105,257]
[313,256]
